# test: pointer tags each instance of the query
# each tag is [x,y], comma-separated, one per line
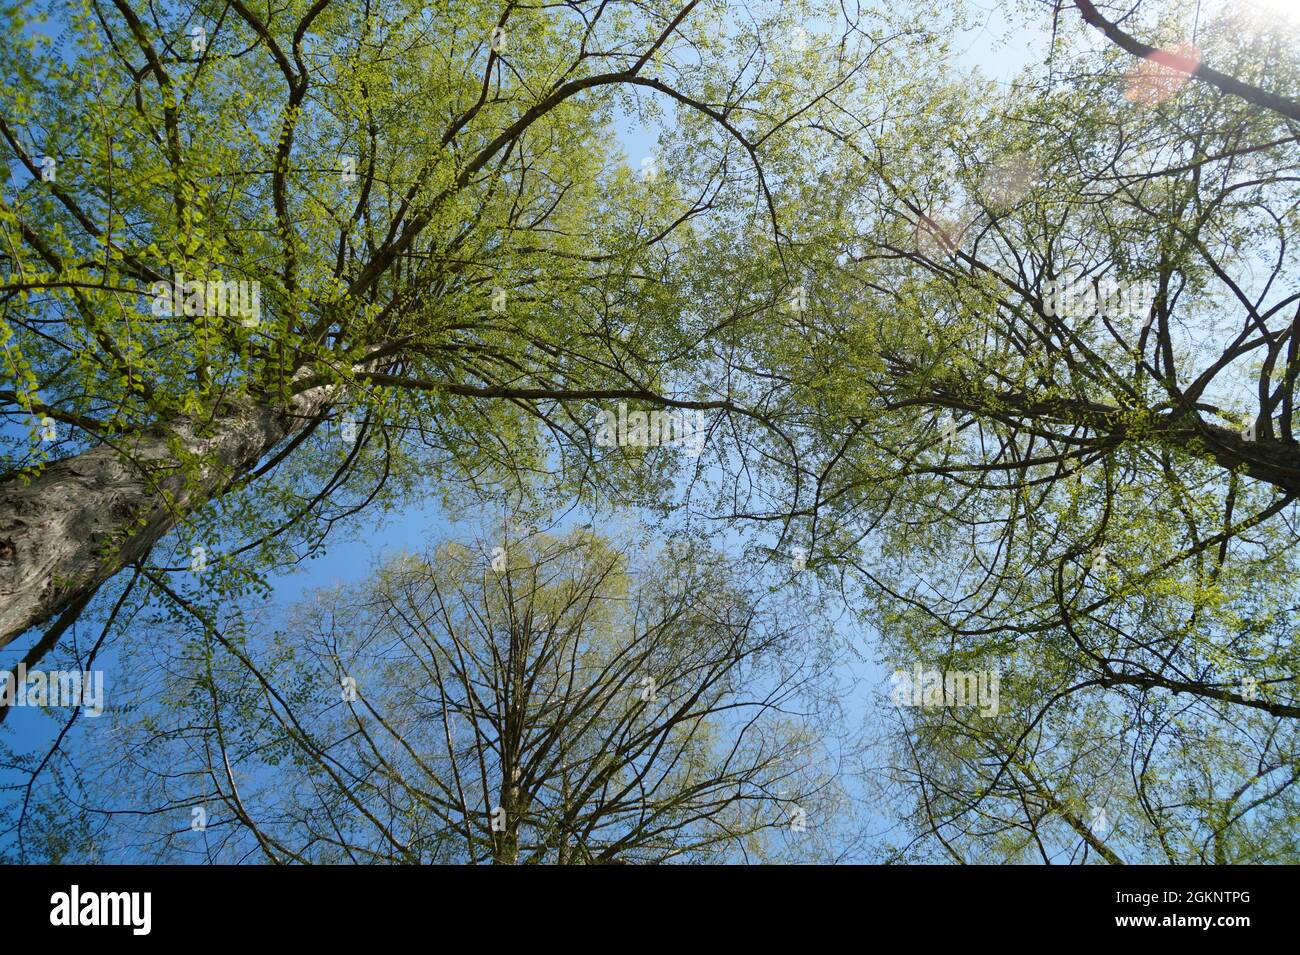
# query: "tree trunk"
[84,518]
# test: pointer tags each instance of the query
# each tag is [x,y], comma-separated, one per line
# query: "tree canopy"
[999,375]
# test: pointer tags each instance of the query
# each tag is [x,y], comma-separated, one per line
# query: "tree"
[339,247]
[1092,493]
[549,700]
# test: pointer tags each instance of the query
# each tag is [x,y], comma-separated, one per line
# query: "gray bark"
[84,518]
